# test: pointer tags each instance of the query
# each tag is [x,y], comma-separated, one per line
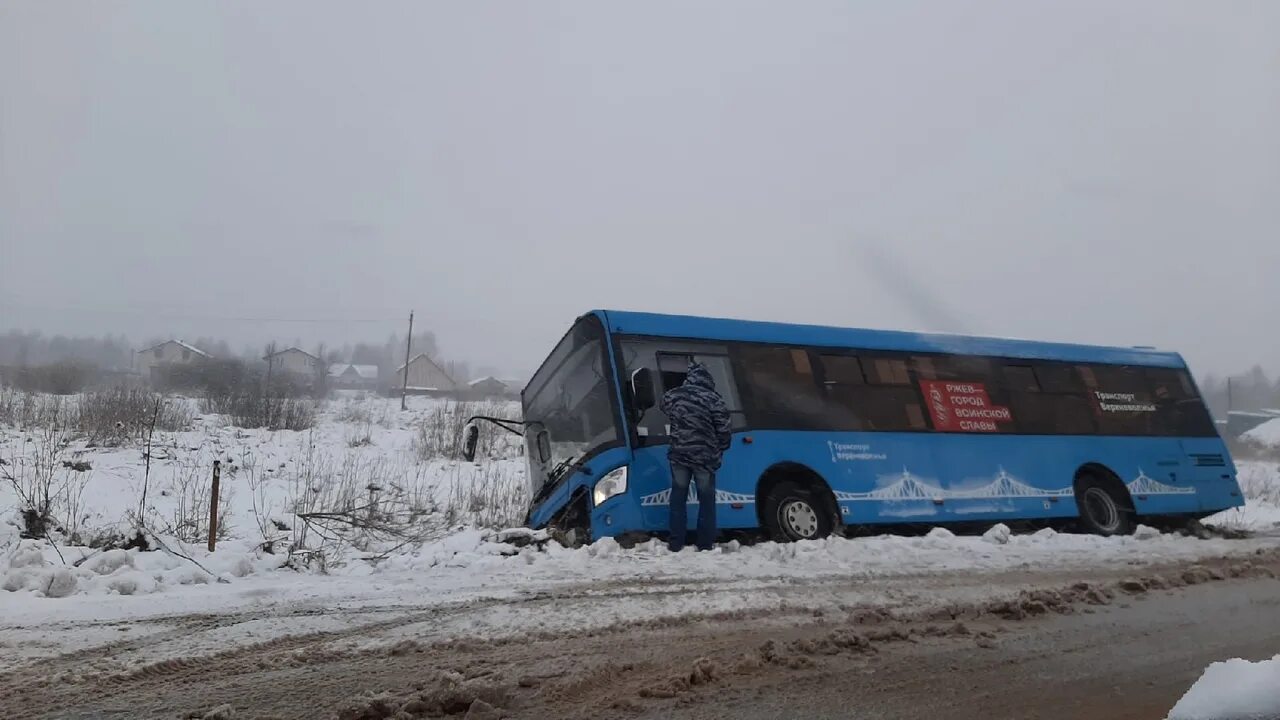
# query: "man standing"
[700,433]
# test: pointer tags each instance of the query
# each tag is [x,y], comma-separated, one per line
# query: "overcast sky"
[1085,171]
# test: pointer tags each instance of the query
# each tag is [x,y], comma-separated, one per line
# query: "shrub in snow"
[1233,690]
[250,407]
[440,431]
[112,417]
[999,534]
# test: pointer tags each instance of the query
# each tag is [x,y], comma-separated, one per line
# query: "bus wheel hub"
[799,517]
[1102,508]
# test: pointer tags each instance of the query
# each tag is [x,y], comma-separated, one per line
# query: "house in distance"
[425,377]
[293,361]
[491,388]
[348,376]
[150,361]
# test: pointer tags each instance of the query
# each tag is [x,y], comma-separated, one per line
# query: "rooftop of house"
[185,345]
[268,356]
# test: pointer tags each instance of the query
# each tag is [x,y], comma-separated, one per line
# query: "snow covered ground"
[363,451]
[1233,690]
[366,451]
[1260,482]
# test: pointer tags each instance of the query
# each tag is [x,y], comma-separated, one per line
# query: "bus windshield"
[567,404]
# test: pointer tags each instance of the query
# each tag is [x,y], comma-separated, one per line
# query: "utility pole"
[271,360]
[1230,399]
[408,344]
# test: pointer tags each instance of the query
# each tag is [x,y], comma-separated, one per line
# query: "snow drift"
[1233,690]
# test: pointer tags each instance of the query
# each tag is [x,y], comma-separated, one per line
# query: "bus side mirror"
[470,436]
[642,390]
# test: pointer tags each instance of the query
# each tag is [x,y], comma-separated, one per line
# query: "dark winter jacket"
[700,426]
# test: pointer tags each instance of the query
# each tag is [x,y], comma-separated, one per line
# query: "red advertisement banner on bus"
[958,406]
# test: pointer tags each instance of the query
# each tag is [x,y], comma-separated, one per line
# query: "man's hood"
[699,376]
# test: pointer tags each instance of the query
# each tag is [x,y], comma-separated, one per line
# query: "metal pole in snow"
[213,505]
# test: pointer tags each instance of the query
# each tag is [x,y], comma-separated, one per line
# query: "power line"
[154,314]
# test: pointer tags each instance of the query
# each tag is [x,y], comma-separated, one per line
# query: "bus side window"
[845,388]
[780,387]
[722,372]
[1111,389]
[1034,412]
[1058,379]
[886,371]
[670,363]
[1180,411]
[889,402]
[674,369]
[1020,378]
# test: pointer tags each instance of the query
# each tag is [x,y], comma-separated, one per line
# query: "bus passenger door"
[669,362]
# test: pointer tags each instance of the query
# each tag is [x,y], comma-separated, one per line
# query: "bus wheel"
[792,512]
[1102,511]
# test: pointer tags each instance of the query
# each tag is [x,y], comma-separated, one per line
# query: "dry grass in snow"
[366,479]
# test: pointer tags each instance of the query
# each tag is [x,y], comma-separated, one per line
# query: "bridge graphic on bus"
[911,487]
[722,498]
[1143,485]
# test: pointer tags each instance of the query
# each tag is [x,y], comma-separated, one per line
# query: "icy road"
[1043,626]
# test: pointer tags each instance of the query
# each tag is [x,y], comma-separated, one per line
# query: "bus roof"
[691,327]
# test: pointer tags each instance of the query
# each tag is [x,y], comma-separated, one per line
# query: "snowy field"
[381,517]
[389,471]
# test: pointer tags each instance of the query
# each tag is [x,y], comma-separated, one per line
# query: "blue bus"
[837,428]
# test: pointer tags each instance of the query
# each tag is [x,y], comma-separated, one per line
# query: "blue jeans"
[706,484]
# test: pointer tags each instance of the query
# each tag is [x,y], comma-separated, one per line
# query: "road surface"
[1114,642]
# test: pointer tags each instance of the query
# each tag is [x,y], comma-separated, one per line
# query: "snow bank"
[999,534]
[474,562]
[35,568]
[1260,483]
[1233,690]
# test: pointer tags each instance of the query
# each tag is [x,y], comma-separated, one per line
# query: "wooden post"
[213,505]
[408,343]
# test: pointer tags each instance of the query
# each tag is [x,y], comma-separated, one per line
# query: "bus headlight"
[613,483]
